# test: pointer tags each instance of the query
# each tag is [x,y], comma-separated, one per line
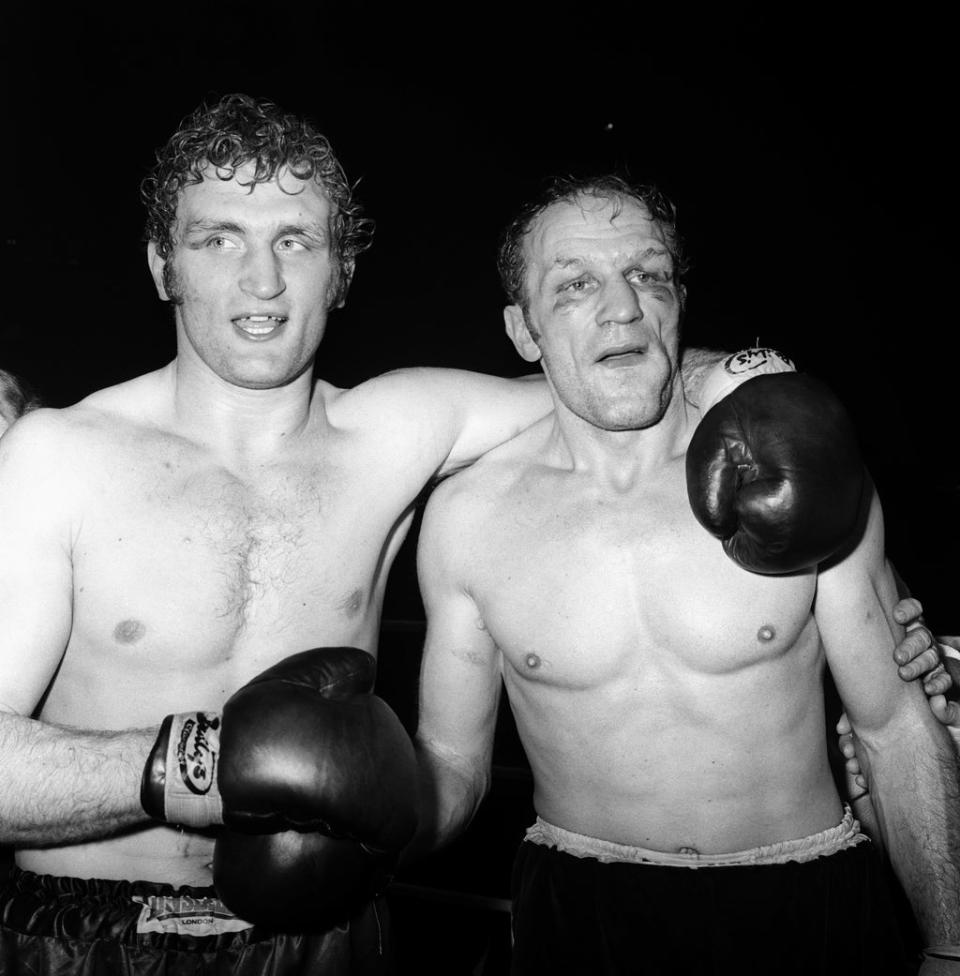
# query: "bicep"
[853,610]
[460,674]
[35,575]
[438,421]
[485,411]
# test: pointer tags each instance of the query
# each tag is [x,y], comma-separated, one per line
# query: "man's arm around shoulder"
[447,417]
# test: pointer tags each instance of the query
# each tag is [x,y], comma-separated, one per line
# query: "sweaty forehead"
[568,231]
[283,196]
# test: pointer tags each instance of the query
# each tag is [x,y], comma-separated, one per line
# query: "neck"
[234,420]
[620,458]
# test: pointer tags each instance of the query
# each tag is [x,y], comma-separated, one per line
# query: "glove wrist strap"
[190,793]
[727,375]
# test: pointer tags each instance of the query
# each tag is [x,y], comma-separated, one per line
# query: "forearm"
[61,785]
[450,794]
[916,795]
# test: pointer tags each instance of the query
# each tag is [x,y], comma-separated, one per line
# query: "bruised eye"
[644,276]
[577,286]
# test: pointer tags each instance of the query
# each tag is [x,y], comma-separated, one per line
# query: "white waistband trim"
[846,834]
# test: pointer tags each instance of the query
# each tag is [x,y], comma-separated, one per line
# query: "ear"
[345,272]
[156,265]
[516,327]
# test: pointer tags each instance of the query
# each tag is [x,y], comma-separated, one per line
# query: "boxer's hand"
[773,469]
[856,775]
[950,654]
[305,745]
[934,659]
[315,777]
[311,741]
[179,782]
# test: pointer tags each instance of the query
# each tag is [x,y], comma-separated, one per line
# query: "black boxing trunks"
[820,905]
[52,926]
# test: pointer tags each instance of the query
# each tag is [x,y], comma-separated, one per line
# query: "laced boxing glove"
[773,468]
[313,776]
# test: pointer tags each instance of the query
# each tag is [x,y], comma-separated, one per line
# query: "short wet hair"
[238,130]
[568,189]
[17,397]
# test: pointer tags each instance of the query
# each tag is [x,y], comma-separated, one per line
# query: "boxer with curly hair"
[202,553]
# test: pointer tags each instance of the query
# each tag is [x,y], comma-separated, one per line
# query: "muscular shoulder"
[449,417]
[415,396]
[38,469]
[413,386]
[62,443]
[143,401]
[39,439]
[472,502]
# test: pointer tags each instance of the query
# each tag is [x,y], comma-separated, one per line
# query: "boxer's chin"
[632,407]
[625,412]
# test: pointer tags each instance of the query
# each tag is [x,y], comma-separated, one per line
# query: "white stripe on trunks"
[846,834]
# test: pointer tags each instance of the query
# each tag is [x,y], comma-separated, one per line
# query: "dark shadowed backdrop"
[809,153]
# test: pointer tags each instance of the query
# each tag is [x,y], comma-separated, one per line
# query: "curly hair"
[238,130]
[17,397]
[567,189]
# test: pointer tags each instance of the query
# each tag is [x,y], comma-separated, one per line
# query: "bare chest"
[194,562]
[581,594]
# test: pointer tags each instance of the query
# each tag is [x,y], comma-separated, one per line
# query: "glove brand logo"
[197,752]
[748,360]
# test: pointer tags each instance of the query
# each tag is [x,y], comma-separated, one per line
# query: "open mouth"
[259,326]
[622,356]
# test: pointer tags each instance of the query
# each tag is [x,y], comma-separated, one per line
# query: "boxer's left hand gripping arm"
[912,761]
[459,683]
[934,660]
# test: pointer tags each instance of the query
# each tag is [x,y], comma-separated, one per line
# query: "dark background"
[809,152]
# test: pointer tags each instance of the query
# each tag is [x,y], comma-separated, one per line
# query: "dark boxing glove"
[773,468]
[313,776]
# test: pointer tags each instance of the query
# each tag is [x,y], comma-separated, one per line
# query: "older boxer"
[669,700]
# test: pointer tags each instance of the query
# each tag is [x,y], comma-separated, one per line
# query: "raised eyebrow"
[314,231]
[206,226]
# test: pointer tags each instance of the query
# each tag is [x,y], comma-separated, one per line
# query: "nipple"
[766,633]
[128,631]
[532,661]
